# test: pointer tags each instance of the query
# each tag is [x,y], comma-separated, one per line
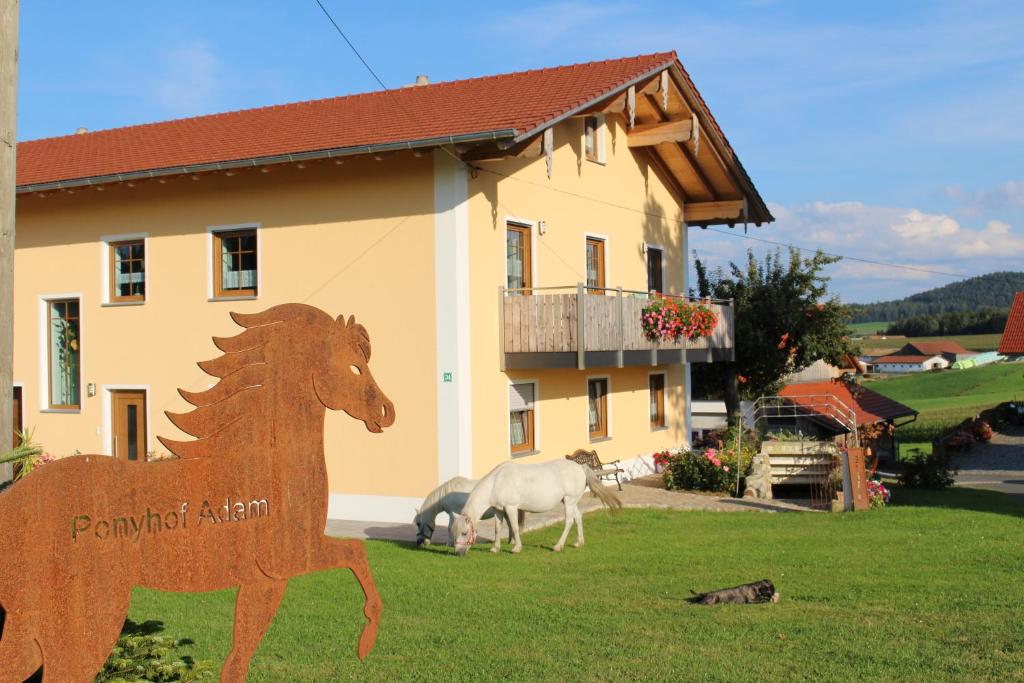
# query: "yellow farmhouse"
[497,236]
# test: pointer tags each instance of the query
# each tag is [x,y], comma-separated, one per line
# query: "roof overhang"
[669,122]
[333,153]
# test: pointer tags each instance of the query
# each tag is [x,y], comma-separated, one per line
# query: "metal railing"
[827,407]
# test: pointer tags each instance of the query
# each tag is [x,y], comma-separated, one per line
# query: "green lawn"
[952,395]
[925,590]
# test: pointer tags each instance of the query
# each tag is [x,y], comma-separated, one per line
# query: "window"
[597,390]
[522,422]
[593,138]
[518,266]
[655,283]
[65,351]
[234,263]
[595,263]
[128,271]
[657,388]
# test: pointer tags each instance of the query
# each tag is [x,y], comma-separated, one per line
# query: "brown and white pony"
[243,506]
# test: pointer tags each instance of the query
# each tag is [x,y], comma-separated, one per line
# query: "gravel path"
[644,492]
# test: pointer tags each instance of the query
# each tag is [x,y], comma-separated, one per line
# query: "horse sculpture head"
[342,378]
[304,353]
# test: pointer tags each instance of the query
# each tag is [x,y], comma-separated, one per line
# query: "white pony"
[513,488]
[450,497]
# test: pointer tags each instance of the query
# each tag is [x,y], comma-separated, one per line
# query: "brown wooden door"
[128,418]
[17,415]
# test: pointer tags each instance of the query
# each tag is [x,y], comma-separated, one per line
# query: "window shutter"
[520,397]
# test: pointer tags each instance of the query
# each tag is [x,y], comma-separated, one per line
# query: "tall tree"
[785,320]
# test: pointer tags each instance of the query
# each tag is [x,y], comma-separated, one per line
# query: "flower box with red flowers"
[668,319]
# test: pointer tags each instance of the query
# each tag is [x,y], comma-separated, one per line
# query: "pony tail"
[604,493]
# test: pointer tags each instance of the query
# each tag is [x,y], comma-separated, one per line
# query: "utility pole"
[8,161]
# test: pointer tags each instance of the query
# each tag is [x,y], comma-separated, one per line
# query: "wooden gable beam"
[649,134]
[714,212]
[690,158]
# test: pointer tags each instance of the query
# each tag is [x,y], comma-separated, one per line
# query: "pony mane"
[435,496]
[242,373]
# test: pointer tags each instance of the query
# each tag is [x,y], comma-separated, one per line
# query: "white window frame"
[664,398]
[210,230]
[608,409]
[44,352]
[534,236]
[105,242]
[536,418]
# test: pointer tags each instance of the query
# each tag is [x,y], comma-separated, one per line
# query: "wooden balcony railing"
[596,327]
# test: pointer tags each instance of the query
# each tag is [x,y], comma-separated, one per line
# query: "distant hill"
[994,290]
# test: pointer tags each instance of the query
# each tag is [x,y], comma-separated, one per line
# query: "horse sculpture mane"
[251,362]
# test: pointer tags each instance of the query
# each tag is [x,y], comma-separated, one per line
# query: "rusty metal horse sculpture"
[242,506]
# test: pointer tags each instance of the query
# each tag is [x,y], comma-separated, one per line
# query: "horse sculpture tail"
[606,495]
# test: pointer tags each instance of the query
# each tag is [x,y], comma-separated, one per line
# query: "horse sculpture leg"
[255,607]
[19,654]
[565,532]
[336,553]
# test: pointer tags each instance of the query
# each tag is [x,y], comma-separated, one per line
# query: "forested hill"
[994,290]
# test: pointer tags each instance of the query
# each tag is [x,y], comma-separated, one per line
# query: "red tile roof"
[898,358]
[519,102]
[937,347]
[868,406]
[1012,341]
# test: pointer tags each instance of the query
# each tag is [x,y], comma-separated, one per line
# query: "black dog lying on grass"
[747,594]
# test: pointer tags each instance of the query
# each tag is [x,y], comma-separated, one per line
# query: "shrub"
[928,471]
[713,470]
[981,430]
[878,494]
[142,655]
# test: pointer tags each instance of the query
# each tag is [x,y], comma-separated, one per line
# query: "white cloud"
[927,244]
[190,82]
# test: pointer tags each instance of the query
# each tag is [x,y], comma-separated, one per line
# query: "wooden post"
[619,360]
[581,326]
[501,327]
[8,159]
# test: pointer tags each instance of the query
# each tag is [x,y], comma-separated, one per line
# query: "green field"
[972,342]
[952,395]
[926,590]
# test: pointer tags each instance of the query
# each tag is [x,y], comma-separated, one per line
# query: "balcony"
[596,327]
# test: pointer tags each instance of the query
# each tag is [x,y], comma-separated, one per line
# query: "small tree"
[785,320]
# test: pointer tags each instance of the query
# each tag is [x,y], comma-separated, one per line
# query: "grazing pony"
[243,506]
[513,488]
[450,497]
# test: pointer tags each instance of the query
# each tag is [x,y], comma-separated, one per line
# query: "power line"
[666,219]
[605,202]
[349,42]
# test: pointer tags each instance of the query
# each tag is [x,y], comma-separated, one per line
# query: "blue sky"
[887,130]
